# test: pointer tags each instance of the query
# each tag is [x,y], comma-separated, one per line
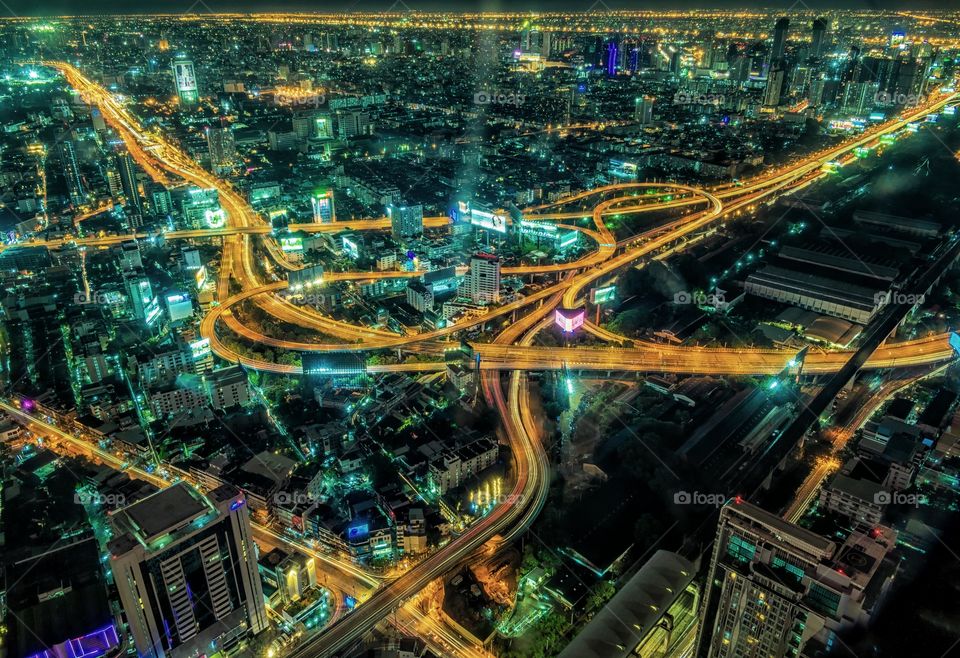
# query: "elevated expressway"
[512,350]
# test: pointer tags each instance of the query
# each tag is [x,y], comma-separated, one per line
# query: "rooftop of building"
[157,515]
[634,610]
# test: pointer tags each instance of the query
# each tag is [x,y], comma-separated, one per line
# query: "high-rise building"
[185,81]
[128,177]
[780,30]
[776,589]
[771,95]
[143,303]
[482,282]
[186,571]
[611,60]
[352,123]
[222,147]
[324,211]
[160,199]
[818,35]
[71,172]
[643,110]
[112,176]
[405,221]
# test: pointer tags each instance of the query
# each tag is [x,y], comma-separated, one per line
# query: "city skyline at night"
[480,331]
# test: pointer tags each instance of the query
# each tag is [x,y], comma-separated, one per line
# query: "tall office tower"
[128,177]
[815,95]
[675,63]
[546,44]
[160,199]
[482,282]
[611,60]
[643,110]
[405,221]
[71,172]
[779,38]
[112,176]
[186,571]
[776,589]
[143,303]
[818,36]
[222,147]
[771,95]
[529,39]
[185,81]
[324,211]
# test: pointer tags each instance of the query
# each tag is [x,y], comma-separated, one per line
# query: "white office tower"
[186,571]
[776,589]
[482,282]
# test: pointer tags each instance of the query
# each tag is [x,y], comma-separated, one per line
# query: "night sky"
[61,7]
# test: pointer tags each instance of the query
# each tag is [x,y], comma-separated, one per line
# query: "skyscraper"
[143,303]
[185,81]
[482,282]
[771,95]
[611,61]
[222,147]
[818,35]
[128,177]
[186,572]
[779,38]
[774,588]
[643,110]
[71,172]
[323,208]
[405,221]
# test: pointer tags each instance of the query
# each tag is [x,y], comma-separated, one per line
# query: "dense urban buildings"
[472,333]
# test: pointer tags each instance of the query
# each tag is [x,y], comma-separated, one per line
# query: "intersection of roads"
[512,351]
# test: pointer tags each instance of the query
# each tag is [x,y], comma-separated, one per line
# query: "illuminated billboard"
[291,244]
[488,220]
[603,295]
[185,76]
[538,229]
[200,348]
[215,218]
[200,276]
[569,319]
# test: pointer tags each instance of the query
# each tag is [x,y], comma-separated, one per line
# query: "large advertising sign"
[185,76]
[488,220]
[569,319]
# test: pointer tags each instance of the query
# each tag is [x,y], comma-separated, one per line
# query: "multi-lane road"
[512,350]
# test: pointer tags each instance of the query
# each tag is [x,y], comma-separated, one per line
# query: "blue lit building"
[186,571]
